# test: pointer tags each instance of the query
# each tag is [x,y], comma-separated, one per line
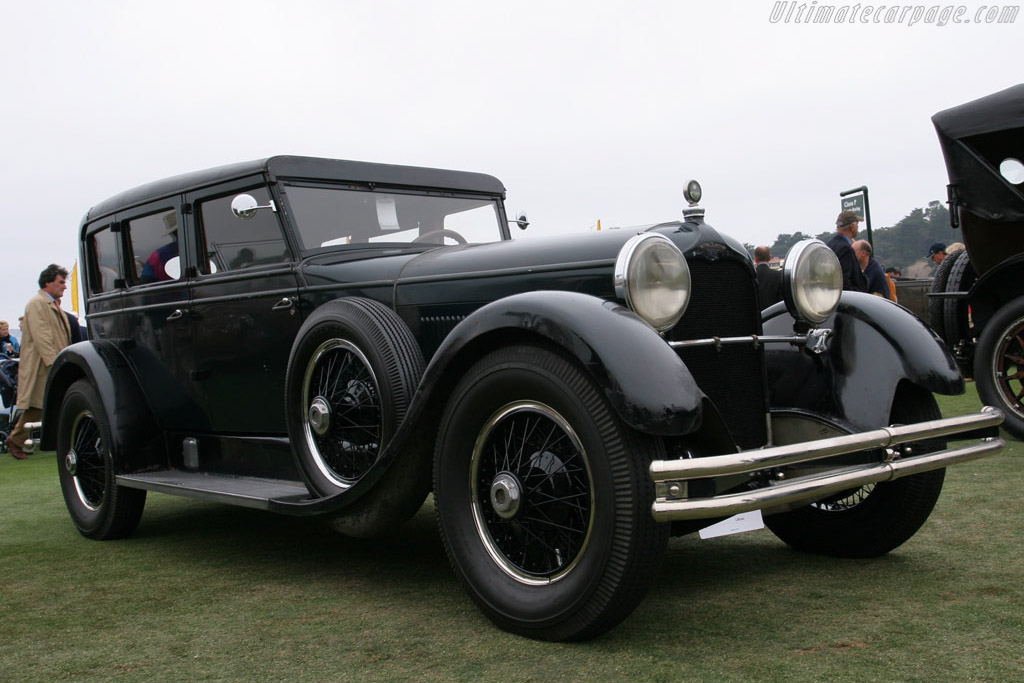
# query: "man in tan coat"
[44,334]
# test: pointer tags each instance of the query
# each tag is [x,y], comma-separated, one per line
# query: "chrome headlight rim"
[791,283]
[625,266]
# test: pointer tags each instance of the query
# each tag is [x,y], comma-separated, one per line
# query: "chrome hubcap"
[320,416]
[71,462]
[505,495]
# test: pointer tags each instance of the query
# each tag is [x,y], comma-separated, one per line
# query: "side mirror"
[521,220]
[244,206]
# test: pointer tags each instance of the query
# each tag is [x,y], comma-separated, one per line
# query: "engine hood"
[539,254]
[580,263]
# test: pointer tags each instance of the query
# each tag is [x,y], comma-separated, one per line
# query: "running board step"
[251,492]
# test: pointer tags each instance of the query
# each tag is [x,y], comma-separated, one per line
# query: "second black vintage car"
[323,337]
[978,292]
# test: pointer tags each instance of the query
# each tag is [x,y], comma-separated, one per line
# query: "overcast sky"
[585,110]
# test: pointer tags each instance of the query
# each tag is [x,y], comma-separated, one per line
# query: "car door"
[155,312]
[244,313]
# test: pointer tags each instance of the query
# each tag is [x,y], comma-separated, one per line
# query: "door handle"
[176,315]
[284,304]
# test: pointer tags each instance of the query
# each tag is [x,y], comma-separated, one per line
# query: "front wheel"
[871,520]
[543,498]
[99,507]
[999,365]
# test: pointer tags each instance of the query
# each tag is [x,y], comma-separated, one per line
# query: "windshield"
[327,217]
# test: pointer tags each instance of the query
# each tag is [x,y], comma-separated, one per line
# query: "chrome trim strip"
[754,339]
[816,340]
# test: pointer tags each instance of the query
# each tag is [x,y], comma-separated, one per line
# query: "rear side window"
[153,244]
[235,244]
[103,270]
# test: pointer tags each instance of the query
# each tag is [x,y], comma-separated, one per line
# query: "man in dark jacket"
[873,273]
[769,280]
[847,227]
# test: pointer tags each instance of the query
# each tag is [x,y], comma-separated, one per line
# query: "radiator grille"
[723,303]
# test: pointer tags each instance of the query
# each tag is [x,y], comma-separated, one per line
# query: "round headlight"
[652,277]
[812,281]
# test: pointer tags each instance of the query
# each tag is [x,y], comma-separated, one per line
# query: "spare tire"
[351,376]
[936,305]
[955,314]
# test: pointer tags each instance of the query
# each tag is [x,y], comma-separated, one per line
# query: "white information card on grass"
[747,521]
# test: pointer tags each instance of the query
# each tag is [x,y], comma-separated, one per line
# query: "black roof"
[303,168]
[976,138]
[998,111]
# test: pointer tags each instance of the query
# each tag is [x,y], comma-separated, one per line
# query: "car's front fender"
[875,344]
[644,380]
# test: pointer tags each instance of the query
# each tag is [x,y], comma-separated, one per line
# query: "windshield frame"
[291,216]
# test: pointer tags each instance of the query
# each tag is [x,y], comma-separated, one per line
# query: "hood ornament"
[692,193]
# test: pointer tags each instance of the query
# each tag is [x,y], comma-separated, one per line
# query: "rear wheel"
[871,520]
[999,364]
[543,498]
[99,507]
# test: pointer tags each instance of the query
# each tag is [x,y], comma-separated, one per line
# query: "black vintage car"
[978,293]
[323,337]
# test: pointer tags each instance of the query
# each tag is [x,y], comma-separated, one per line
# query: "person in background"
[769,280]
[937,252]
[45,333]
[873,273]
[847,228]
[9,345]
[891,274]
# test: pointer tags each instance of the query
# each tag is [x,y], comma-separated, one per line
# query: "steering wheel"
[443,232]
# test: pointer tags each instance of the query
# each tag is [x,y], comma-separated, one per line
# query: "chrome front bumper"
[671,476]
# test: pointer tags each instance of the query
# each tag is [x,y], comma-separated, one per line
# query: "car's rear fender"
[874,345]
[134,431]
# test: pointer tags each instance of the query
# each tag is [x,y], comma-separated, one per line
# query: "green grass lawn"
[210,592]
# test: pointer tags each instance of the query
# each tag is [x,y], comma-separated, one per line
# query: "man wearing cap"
[45,333]
[937,252]
[847,227]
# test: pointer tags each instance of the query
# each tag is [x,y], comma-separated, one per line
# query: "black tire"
[874,519]
[955,314]
[99,507]
[574,552]
[352,372]
[999,364]
[936,305]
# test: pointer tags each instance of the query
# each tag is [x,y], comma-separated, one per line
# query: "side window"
[235,244]
[102,260]
[153,245]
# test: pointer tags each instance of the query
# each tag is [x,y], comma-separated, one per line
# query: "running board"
[251,492]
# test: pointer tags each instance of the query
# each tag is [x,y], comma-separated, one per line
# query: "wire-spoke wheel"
[845,500]
[98,506]
[342,420]
[352,372]
[532,492]
[999,364]
[543,498]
